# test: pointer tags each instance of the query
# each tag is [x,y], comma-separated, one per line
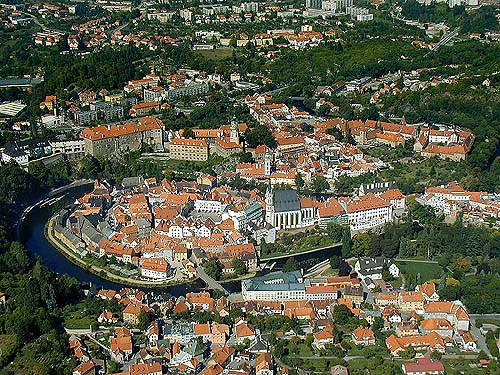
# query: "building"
[189,149]
[372,267]
[454,312]
[122,138]
[367,212]
[131,314]
[155,268]
[363,336]
[284,209]
[145,108]
[275,286]
[423,366]
[431,341]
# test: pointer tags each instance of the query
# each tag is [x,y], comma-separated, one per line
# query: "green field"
[217,54]
[461,366]
[78,320]
[428,270]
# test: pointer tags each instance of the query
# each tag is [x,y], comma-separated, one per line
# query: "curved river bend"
[32,235]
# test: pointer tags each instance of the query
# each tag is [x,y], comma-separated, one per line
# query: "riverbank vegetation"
[302,241]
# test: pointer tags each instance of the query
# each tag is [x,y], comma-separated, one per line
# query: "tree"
[346,243]
[344,268]
[335,261]
[299,181]
[291,265]
[260,135]
[341,314]
[386,275]
[320,184]
[213,268]
[188,133]
[361,244]
[239,266]
[408,353]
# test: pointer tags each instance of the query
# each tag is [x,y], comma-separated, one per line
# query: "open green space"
[427,270]
[461,366]
[216,54]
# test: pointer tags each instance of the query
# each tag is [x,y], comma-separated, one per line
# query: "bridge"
[211,283]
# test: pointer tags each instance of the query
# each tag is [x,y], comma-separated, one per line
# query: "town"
[249,187]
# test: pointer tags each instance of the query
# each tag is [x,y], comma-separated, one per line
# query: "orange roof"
[392,194]
[103,131]
[362,333]
[189,142]
[434,324]
[202,329]
[366,202]
[145,368]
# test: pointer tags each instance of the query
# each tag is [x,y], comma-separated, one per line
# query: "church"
[284,209]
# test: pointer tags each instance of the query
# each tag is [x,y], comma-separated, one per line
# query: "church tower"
[235,134]
[267,164]
[269,203]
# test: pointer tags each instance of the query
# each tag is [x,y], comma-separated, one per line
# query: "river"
[32,235]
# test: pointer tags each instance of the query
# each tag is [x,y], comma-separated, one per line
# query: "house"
[264,364]
[465,341]
[131,314]
[429,291]
[243,331]
[3,299]
[339,370]
[411,301]
[203,331]
[431,341]
[439,325]
[85,368]
[154,368]
[107,317]
[121,348]
[363,336]
[423,366]
[323,337]
[153,333]
[372,267]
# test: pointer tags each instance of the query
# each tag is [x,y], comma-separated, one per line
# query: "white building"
[367,212]
[207,206]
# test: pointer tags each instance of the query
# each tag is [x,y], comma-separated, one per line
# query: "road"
[211,283]
[480,339]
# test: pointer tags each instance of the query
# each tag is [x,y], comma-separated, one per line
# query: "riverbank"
[276,256]
[100,272]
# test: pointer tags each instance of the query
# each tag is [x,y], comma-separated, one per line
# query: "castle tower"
[267,164]
[235,134]
[269,203]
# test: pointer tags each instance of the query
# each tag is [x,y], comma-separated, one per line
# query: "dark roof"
[286,200]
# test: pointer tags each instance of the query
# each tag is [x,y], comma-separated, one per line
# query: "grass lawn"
[429,172]
[78,320]
[217,54]
[461,366]
[305,351]
[427,270]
